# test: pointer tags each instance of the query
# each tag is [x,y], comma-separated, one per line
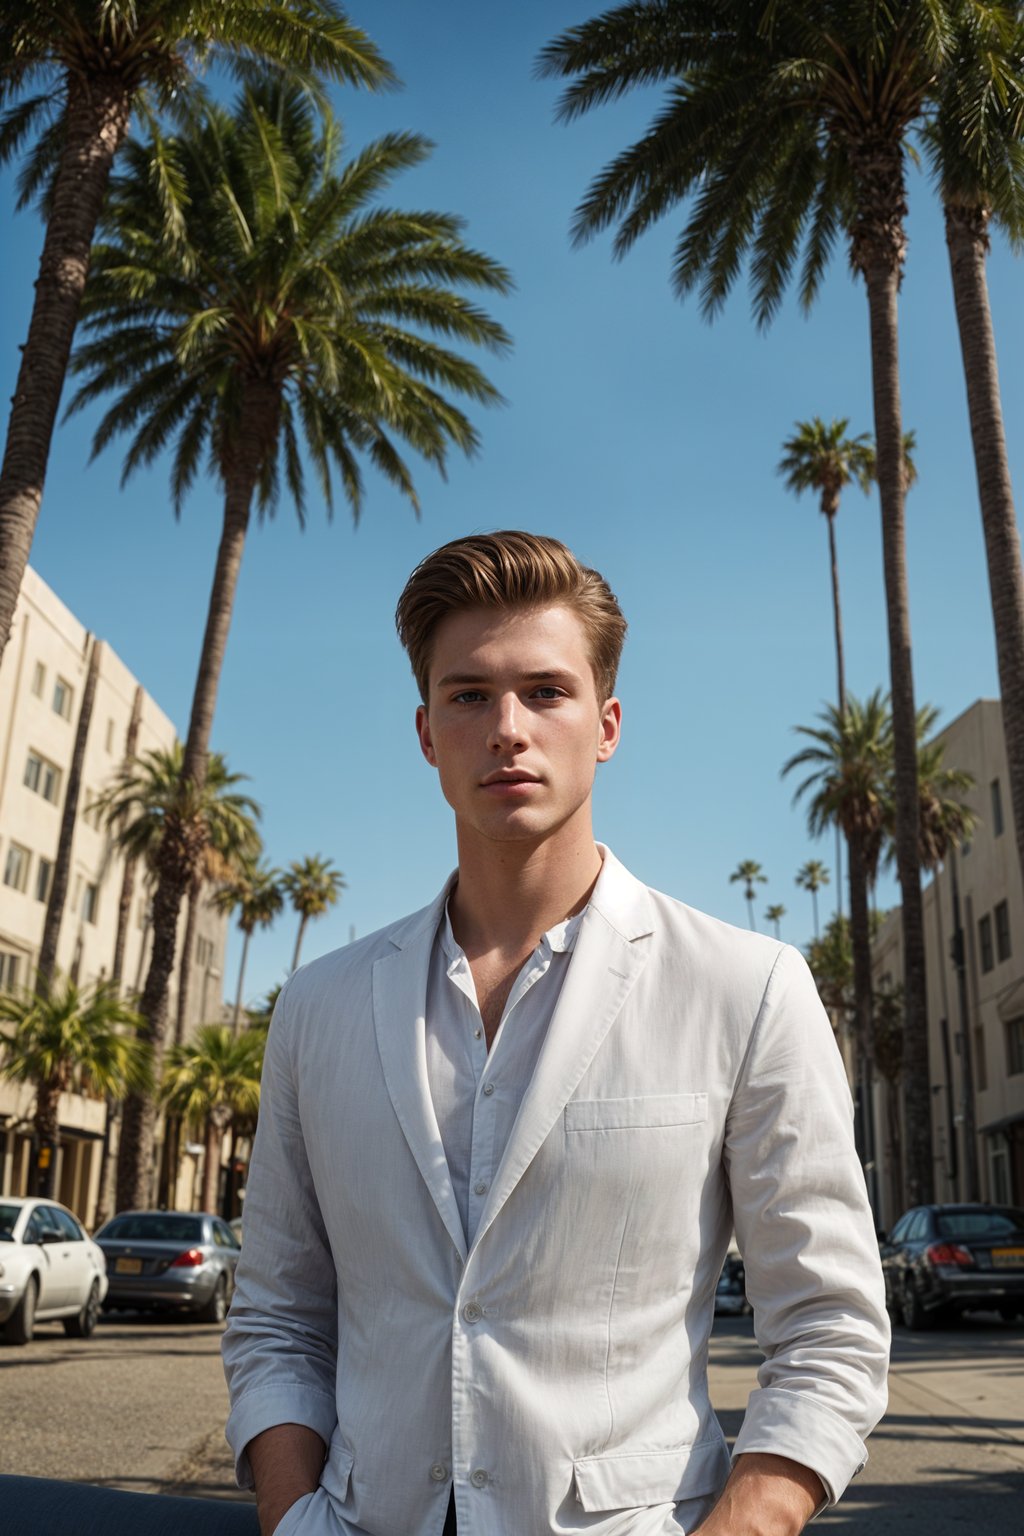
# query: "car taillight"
[190,1260]
[950,1253]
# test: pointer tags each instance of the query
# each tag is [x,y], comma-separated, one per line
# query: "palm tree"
[774,915]
[289,306]
[973,139]
[65,1037]
[257,893]
[312,885]
[811,877]
[208,1081]
[750,873]
[72,73]
[823,459]
[784,126]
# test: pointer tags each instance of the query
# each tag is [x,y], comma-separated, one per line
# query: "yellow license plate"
[128,1266]
[1006,1258]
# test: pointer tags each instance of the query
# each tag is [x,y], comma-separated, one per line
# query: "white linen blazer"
[556,1372]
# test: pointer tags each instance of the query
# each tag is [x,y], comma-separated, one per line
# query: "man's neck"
[508,894]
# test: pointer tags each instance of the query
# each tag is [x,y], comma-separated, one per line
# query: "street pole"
[958,953]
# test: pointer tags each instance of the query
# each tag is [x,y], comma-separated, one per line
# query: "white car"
[49,1269]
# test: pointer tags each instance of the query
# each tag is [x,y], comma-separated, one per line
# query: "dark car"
[940,1260]
[170,1260]
[731,1291]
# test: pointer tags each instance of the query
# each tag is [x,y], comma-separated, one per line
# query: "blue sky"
[642,436]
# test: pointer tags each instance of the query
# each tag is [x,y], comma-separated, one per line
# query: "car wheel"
[216,1309]
[912,1308]
[82,1324]
[21,1324]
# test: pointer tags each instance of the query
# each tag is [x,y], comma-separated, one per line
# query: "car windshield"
[979,1224]
[8,1216]
[153,1227]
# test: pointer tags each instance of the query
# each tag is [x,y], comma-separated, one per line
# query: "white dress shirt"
[476,1093]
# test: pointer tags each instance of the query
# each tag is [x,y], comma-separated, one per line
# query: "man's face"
[513,724]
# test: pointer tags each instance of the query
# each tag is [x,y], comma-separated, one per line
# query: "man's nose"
[508,731]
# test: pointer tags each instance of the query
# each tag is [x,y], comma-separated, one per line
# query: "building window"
[1015,1046]
[110,738]
[39,680]
[16,867]
[997,809]
[43,776]
[9,967]
[988,959]
[90,901]
[44,879]
[1002,917]
[980,1062]
[62,697]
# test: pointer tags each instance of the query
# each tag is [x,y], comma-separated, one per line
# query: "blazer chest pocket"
[649,1111]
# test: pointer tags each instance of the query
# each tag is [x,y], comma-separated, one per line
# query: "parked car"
[49,1268]
[236,1227]
[170,1260]
[730,1292]
[940,1260]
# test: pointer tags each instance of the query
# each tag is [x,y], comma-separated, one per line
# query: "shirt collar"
[558,940]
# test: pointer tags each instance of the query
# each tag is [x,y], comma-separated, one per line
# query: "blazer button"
[439,1472]
[472,1312]
[479,1478]
[488,1089]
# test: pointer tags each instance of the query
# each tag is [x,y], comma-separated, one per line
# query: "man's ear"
[611,729]
[423,733]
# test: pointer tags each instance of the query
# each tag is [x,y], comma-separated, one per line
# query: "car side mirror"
[51,1237]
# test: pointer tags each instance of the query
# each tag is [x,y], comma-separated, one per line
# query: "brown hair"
[509,570]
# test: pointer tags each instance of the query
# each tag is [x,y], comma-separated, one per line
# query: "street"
[142,1405]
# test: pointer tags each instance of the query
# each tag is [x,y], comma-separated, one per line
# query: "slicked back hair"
[509,570]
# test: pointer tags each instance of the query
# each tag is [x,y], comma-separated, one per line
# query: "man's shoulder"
[352,963]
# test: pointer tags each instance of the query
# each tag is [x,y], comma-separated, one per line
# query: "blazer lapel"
[611,950]
[399,1008]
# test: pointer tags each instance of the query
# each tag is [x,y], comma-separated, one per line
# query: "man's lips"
[509,782]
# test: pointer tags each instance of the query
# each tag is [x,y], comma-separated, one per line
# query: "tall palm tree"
[824,459]
[786,125]
[256,891]
[750,873]
[774,914]
[207,1081]
[291,305]
[975,141]
[312,885]
[66,1037]
[72,72]
[811,877]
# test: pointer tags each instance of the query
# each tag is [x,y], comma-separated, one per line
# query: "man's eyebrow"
[475,679]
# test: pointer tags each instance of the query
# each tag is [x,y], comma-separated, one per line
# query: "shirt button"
[480,1188]
[488,1089]
[479,1478]
[477,1034]
[472,1312]
[439,1472]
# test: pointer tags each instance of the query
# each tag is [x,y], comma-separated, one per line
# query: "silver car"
[170,1260]
[49,1269]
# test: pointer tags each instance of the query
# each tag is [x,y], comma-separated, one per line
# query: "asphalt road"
[142,1405]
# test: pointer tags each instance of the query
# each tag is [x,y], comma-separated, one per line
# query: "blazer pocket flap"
[632,1480]
[337,1469]
[648,1110]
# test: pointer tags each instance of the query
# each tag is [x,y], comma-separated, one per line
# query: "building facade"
[974,932]
[41,688]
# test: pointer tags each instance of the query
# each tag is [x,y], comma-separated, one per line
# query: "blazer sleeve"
[807,1237]
[280,1344]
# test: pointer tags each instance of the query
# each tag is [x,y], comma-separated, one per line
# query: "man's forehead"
[472,644]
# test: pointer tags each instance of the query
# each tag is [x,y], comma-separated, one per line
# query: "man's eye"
[549,691]
[470,696]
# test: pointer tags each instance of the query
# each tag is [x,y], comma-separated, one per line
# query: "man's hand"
[286,1462]
[765,1496]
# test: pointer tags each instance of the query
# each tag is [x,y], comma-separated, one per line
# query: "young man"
[503,1143]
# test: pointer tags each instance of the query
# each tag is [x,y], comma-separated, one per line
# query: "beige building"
[41,685]
[975,1012]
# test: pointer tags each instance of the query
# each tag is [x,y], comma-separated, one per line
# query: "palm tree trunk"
[879,255]
[303,920]
[181,845]
[863,999]
[814,903]
[185,966]
[750,909]
[236,1016]
[96,121]
[47,1129]
[837,615]
[967,238]
[62,861]
[124,905]
[211,1164]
